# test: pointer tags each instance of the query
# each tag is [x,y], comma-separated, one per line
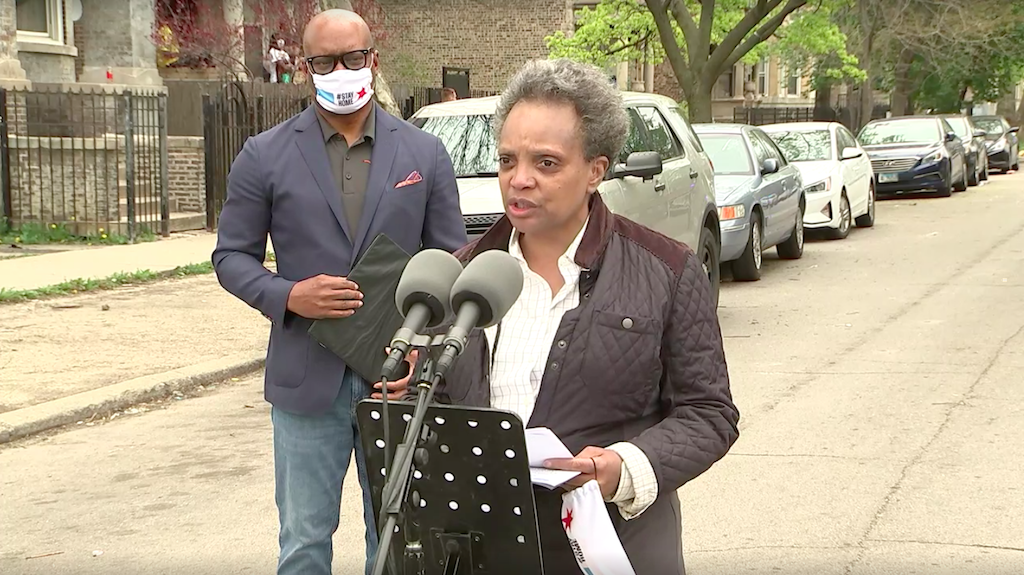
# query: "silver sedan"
[759,195]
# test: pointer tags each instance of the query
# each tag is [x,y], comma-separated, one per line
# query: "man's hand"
[397,389]
[324,296]
[598,463]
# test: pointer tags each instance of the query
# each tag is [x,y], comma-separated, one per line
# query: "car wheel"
[984,170]
[975,178]
[748,267]
[793,248]
[710,262]
[945,189]
[845,219]
[867,220]
[962,184]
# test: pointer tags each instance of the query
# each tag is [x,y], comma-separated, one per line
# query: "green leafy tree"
[981,55]
[703,39]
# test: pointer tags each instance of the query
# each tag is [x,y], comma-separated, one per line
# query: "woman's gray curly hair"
[603,120]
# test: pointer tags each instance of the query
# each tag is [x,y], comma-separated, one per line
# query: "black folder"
[360,338]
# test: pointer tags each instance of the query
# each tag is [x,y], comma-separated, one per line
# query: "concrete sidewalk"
[43,270]
[88,355]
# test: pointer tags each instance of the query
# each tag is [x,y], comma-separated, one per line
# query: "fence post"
[5,162]
[165,200]
[129,163]
[208,147]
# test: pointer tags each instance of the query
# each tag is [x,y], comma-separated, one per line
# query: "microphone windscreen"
[494,280]
[428,279]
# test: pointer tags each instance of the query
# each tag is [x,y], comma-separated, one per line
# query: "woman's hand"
[397,389]
[598,463]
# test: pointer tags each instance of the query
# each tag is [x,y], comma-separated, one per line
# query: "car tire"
[845,219]
[962,184]
[747,268]
[793,247]
[710,260]
[868,219]
[945,190]
[975,178]
[984,171]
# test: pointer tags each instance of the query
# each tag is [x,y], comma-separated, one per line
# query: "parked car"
[1002,142]
[661,179]
[973,139]
[760,196]
[913,153]
[836,172]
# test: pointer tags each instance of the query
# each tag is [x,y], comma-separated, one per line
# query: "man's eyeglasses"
[354,60]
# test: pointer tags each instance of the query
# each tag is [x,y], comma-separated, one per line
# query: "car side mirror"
[950,136]
[851,153]
[980,133]
[769,166]
[1014,129]
[643,165]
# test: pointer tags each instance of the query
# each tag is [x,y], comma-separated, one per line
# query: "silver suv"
[662,179]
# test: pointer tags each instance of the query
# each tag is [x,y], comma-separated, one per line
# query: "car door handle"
[693,174]
[659,187]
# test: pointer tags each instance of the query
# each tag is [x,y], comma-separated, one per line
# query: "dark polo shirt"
[350,166]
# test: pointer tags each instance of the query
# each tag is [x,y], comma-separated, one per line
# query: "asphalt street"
[882,409]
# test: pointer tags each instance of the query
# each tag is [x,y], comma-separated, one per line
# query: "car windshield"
[469,141]
[728,153]
[960,126]
[804,146]
[992,126]
[923,131]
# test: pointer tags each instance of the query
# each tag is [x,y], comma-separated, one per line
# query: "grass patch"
[58,233]
[122,279]
[76,286]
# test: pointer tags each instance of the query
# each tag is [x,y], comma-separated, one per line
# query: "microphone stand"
[395,497]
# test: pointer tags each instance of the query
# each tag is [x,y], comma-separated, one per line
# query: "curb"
[116,397]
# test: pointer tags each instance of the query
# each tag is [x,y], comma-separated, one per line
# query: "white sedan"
[838,179]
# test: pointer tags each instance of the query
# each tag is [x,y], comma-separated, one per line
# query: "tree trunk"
[823,102]
[698,102]
[867,96]
[901,104]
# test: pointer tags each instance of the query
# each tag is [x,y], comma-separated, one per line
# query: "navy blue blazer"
[281,184]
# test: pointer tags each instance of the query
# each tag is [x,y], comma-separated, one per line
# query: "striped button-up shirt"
[520,354]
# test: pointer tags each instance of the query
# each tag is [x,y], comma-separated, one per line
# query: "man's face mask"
[344,91]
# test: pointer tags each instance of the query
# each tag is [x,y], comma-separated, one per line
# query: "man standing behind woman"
[323,185]
[614,343]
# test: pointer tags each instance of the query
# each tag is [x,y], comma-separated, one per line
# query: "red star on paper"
[567,520]
[362,92]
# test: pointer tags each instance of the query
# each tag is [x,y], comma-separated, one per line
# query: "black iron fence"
[233,112]
[90,161]
[763,115]
[778,114]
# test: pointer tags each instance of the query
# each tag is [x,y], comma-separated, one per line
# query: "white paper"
[543,444]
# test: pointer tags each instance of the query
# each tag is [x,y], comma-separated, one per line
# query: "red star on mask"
[567,520]
[362,92]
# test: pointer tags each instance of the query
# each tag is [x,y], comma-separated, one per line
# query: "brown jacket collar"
[592,246]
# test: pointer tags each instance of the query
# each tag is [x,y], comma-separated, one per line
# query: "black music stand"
[469,509]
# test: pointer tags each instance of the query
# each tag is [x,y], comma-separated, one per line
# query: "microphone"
[422,297]
[481,296]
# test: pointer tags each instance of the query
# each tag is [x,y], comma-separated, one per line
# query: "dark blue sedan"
[915,153]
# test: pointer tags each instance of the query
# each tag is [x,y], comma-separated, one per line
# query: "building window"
[790,84]
[40,20]
[725,84]
[762,76]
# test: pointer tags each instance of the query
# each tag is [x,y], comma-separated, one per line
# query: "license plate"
[887,178]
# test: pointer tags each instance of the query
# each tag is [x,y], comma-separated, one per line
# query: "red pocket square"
[410,179]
